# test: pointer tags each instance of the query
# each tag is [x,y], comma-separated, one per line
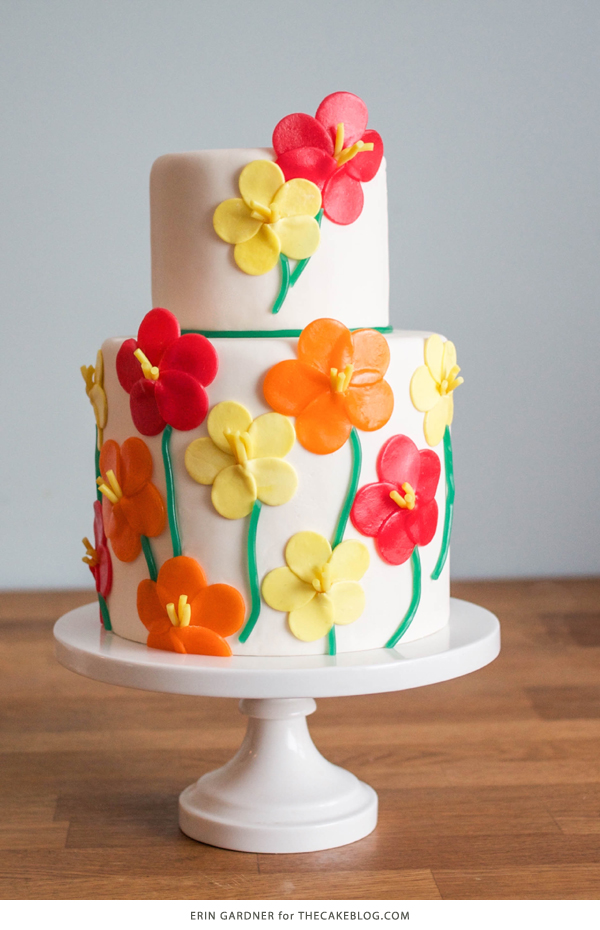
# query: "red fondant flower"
[335,383]
[132,506]
[399,510]
[334,150]
[165,374]
[184,614]
[98,556]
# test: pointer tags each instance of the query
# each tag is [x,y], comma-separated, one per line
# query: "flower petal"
[348,600]
[129,370]
[370,406]
[324,426]
[393,542]
[150,610]
[233,223]
[370,356]
[346,108]
[349,561]
[290,386]
[204,460]
[200,641]
[260,180]
[325,344]
[306,553]
[314,620]
[228,415]
[297,197]
[283,590]
[449,358]
[276,480]
[136,466]
[372,507]
[220,607]
[423,389]
[365,165]
[437,419]
[421,523]
[157,331]
[234,492]
[145,511]
[259,254]
[311,163]
[399,462]
[182,401]
[271,435]
[299,130]
[110,459]
[166,641]
[125,542]
[144,409]
[343,198]
[195,355]
[434,356]
[177,576]
[428,476]
[299,236]
[99,534]
[104,576]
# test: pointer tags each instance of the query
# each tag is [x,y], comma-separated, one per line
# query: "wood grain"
[489,785]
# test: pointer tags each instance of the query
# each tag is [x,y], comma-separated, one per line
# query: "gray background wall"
[490,116]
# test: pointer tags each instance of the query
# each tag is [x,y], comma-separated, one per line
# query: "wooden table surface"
[489,785]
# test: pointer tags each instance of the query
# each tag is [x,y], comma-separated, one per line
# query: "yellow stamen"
[340,380]
[339,140]
[353,150]
[322,581]
[183,614]
[150,371]
[114,492]
[104,488]
[408,501]
[91,558]
[260,212]
[240,444]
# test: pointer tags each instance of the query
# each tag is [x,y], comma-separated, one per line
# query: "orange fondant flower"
[184,614]
[335,383]
[131,506]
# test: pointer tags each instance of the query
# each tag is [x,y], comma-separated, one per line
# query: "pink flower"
[334,149]
[399,510]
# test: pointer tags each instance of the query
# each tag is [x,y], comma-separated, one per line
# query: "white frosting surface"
[220,544]
[195,276]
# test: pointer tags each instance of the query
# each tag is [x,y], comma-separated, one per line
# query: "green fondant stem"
[252,574]
[148,555]
[345,513]
[449,512]
[171,502]
[285,283]
[97,460]
[104,613]
[267,333]
[301,265]
[409,616]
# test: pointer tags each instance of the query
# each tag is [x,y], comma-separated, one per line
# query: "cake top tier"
[271,239]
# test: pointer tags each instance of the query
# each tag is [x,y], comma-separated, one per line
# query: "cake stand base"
[279,794]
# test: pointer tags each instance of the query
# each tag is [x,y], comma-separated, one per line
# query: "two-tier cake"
[273,464]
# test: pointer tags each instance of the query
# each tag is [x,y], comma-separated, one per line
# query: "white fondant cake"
[261,506]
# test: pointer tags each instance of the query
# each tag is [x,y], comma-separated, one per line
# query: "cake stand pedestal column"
[278,793]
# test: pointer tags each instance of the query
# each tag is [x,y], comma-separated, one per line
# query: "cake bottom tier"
[220,545]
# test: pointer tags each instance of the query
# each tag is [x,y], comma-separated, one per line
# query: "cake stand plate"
[279,794]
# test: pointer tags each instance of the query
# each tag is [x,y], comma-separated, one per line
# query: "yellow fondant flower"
[243,459]
[272,216]
[431,387]
[94,388]
[319,587]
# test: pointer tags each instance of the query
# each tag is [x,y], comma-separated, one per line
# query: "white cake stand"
[279,794]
